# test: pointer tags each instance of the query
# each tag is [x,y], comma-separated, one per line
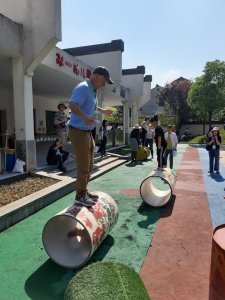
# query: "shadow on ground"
[151,218]
[145,209]
[50,280]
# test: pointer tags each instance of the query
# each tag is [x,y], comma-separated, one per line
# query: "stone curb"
[16,211]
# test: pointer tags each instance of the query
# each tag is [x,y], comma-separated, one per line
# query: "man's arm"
[159,142]
[107,112]
[77,111]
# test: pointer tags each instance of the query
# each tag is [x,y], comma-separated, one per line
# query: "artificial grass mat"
[106,280]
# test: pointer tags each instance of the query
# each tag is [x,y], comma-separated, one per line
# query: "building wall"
[41,22]
[197,129]
[41,105]
[111,60]
[6,103]
[146,94]
[131,81]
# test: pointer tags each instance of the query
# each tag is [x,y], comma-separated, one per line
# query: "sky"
[171,38]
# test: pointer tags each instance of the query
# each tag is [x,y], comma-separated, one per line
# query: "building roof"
[115,45]
[138,70]
[180,79]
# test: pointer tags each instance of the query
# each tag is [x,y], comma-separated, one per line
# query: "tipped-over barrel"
[157,188]
[73,235]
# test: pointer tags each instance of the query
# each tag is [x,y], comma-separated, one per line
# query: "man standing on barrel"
[84,104]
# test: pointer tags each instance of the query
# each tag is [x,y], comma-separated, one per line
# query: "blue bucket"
[10,159]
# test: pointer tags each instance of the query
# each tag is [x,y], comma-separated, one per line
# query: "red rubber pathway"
[177,264]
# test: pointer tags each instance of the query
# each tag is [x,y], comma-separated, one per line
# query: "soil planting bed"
[20,188]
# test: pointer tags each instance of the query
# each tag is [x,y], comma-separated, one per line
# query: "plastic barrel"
[157,188]
[217,269]
[72,236]
[143,153]
[10,159]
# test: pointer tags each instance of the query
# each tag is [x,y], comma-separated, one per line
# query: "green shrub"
[106,280]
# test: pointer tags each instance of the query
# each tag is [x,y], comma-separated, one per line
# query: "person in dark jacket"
[56,155]
[213,141]
[103,133]
[134,142]
[160,142]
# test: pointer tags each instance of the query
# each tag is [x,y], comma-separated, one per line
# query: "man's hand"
[108,112]
[89,120]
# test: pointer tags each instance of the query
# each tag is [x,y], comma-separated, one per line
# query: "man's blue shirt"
[84,95]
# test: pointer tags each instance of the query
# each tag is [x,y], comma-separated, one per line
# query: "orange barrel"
[72,236]
[217,269]
[10,159]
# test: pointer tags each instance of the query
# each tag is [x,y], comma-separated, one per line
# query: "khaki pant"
[83,145]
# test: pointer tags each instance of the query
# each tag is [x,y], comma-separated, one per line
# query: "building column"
[134,114]
[125,122]
[23,111]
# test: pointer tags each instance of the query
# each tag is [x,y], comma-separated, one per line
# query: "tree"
[174,97]
[117,116]
[207,93]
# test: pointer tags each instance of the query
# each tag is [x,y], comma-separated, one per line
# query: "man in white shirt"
[171,139]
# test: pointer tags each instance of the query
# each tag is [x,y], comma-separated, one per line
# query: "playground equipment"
[143,153]
[217,270]
[156,189]
[72,236]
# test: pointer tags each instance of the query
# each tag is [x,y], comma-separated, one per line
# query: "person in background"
[84,108]
[103,136]
[60,122]
[144,128]
[171,140]
[149,138]
[56,155]
[159,141]
[214,141]
[93,132]
[134,142]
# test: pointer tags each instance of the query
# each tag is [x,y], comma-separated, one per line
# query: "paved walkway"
[177,264]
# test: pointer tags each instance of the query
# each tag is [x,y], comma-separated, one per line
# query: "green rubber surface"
[26,272]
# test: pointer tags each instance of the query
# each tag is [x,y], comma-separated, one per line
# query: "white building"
[36,75]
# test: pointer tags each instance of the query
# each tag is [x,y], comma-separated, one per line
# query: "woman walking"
[214,141]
